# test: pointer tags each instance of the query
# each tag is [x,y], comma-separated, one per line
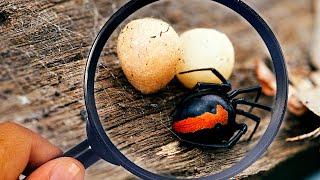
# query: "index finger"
[20,147]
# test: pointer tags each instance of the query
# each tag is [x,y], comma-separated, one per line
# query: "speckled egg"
[149,50]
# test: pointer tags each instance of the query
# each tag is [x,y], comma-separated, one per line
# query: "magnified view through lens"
[182,96]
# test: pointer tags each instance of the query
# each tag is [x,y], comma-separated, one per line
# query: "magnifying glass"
[100,143]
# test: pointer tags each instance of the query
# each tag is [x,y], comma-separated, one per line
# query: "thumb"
[63,168]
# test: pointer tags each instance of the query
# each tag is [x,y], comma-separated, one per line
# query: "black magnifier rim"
[279,106]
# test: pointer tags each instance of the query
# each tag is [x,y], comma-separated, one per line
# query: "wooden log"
[43,50]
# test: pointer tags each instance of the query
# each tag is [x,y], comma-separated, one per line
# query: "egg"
[149,50]
[205,48]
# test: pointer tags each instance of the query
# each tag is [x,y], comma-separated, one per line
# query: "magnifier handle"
[83,153]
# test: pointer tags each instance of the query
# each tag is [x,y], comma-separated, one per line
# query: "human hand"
[22,151]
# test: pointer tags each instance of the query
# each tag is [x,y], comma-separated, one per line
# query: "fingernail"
[66,171]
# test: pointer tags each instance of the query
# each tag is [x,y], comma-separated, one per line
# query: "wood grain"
[43,49]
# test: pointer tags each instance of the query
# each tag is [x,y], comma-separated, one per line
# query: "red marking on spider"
[206,120]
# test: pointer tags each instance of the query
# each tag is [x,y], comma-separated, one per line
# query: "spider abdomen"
[203,119]
[207,120]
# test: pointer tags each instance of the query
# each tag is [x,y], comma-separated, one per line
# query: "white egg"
[205,48]
[149,50]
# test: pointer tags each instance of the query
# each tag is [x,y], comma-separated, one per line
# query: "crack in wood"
[3,17]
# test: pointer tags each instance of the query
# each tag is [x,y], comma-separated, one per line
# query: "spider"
[207,116]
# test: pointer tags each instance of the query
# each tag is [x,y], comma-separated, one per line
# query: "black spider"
[206,117]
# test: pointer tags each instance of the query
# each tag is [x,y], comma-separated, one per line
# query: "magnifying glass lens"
[141,126]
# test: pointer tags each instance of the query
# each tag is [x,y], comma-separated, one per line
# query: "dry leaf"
[268,83]
[315,78]
[300,83]
[266,78]
[309,95]
[295,106]
[311,99]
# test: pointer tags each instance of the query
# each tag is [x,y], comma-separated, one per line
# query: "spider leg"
[214,71]
[259,91]
[213,86]
[256,89]
[252,104]
[242,129]
[253,117]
